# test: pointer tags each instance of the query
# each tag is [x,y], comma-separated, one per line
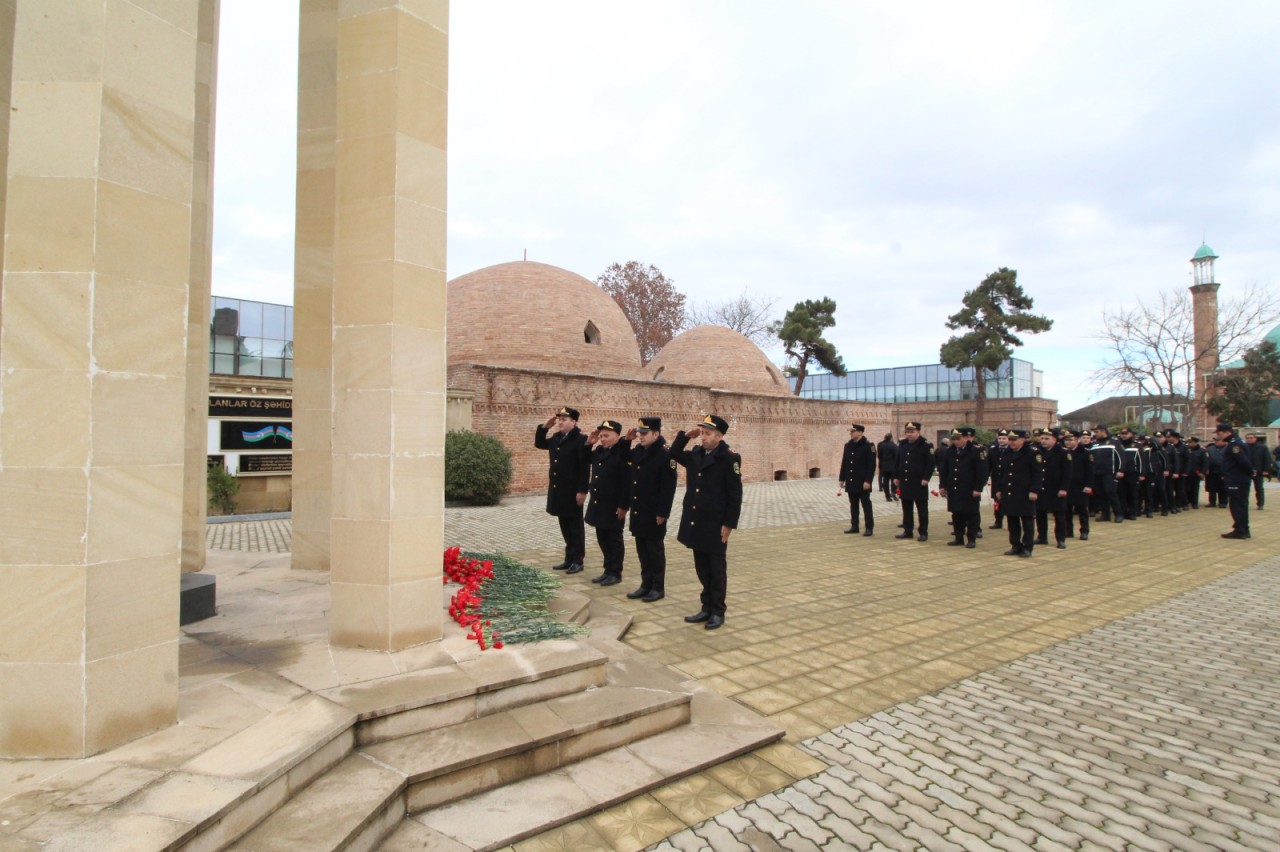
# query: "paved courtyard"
[1122,693]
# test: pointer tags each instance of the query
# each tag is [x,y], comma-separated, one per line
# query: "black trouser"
[860,497]
[713,573]
[1258,494]
[965,525]
[1059,524]
[1148,490]
[1214,488]
[1106,491]
[921,508]
[652,552]
[1083,513]
[1179,490]
[574,533]
[1238,497]
[886,484]
[612,550]
[1193,490]
[1128,488]
[1022,532]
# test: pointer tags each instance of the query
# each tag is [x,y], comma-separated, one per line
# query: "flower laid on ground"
[502,601]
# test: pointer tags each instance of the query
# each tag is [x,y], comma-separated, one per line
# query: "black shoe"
[638,593]
[902,526]
[653,596]
[599,579]
[611,580]
[1042,541]
[1235,535]
[1119,519]
[714,622]
[700,615]
[979,534]
[971,544]
[851,531]
[1013,551]
[922,537]
[996,527]
[867,532]
[575,568]
[1025,554]
[560,566]
[1084,536]
[1149,515]
[907,534]
[1260,508]
[1164,513]
[955,543]
[1062,545]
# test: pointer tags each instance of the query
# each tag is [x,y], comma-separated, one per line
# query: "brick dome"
[536,316]
[717,357]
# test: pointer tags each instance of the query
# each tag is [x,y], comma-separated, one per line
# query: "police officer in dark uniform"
[1021,482]
[1082,479]
[887,450]
[857,473]
[568,474]
[962,474]
[610,496]
[1197,468]
[1157,493]
[653,489]
[1132,473]
[1106,464]
[995,455]
[916,465]
[1179,462]
[1237,475]
[712,504]
[1058,466]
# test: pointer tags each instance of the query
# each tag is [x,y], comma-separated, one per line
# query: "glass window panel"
[251,319]
[273,367]
[224,364]
[288,369]
[288,323]
[224,344]
[273,320]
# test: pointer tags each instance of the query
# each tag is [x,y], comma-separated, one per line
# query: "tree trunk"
[801,372]
[980,379]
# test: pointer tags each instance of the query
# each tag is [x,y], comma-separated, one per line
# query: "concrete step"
[448,764]
[353,806]
[503,816]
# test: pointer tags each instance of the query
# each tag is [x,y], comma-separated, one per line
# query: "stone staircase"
[475,755]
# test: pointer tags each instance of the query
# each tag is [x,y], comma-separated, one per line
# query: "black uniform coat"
[713,494]
[916,464]
[653,488]
[569,470]
[610,486]
[858,465]
[888,452]
[1082,472]
[963,471]
[1021,474]
[1058,464]
[1237,467]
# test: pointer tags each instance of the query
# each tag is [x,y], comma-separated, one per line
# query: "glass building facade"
[251,339]
[929,383]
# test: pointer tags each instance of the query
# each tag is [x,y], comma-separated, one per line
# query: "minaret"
[1204,312]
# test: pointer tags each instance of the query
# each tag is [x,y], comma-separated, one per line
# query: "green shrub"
[223,488]
[477,468]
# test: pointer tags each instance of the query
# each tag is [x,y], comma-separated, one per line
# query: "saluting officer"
[567,474]
[1021,481]
[610,496]
[962,474]
[916,464]
[857,472]
[653,489]
[712,504]
[1058,466]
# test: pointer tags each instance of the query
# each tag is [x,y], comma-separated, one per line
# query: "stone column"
[313,283]
[93,328]
[389,323]
[195,506]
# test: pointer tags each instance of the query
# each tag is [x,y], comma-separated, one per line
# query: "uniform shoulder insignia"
[737,468]
[1039,458]
[673,464]
[931,451]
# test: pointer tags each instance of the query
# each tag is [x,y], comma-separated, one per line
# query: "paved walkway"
[1121,693]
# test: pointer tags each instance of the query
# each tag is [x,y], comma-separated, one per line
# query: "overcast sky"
[889,155]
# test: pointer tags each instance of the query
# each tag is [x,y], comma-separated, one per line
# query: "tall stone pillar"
[93,329]
[313,283]
[195,506]
[388,355]
[1204,318]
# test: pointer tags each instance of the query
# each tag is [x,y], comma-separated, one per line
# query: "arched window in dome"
[591,334]
[658,374]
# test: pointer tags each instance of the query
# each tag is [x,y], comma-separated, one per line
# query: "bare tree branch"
[749,315]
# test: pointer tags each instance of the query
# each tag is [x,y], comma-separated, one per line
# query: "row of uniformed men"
[1050,473]
[621,484]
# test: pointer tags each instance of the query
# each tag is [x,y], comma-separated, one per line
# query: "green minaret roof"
[1204,251]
